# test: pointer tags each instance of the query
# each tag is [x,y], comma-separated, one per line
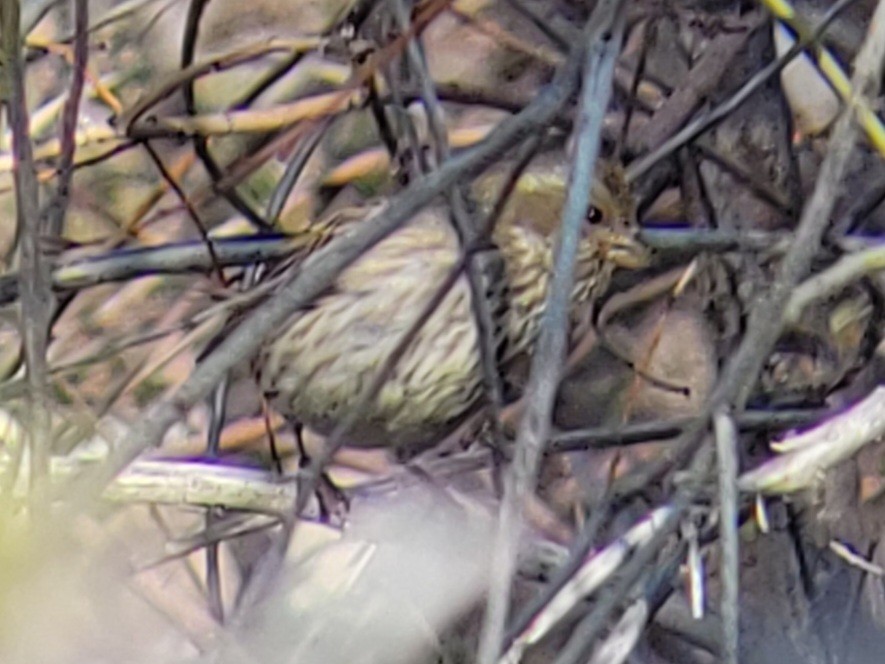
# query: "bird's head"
[535,206]
[611,228]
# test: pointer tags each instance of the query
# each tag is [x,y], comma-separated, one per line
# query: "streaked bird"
[316,367]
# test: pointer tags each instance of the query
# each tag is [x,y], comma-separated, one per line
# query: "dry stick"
[308,143]
[589,576]
[578,553]
[178,79]
[201,143]
[684,240]
[697,204]
[603,33]
[123,11]
[54,213]
[588,630]
[600,438]
[175,258]
[648,32]
[218,401]
[219,398]
[121,147]
[72,271]
[201,148]
[404,124]
[322,267]
[804,457]
[269,80]
[75,272]
[189,208]
[847,270]
[34,284]
[233,525]
[322,106]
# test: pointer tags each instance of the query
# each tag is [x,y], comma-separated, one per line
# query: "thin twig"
[122,11]
[590,628]
[170,180]
[308,143]
[55,210]
[73,272]
[838,276]
[603,33]
[201,143]
[646,432]
[578,553]
[584,580]
[218,405]
[176,258]
[34,283]
[216,63]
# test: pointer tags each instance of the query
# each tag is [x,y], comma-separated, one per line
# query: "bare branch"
[603,33]
[34,281]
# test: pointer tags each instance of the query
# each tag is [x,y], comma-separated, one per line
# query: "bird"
[317,364]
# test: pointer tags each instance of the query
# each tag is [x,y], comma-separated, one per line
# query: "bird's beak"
[622,249]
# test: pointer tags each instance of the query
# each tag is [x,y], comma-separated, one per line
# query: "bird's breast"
[324,357]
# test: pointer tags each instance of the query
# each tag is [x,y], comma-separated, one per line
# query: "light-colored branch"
[805,457]
[219,62]
[841,274]
[203,484]
[726,454]
[603,33]
[175,482]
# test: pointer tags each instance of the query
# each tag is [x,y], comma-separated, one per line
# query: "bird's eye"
[594,215]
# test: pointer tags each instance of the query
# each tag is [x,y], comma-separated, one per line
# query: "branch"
[604,32]
[34,282]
